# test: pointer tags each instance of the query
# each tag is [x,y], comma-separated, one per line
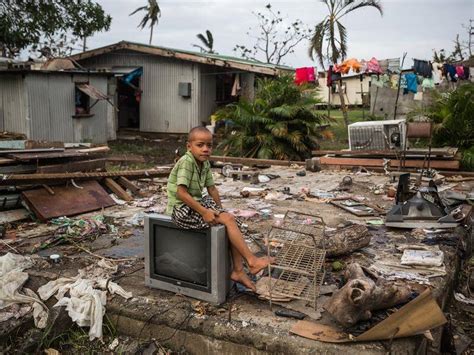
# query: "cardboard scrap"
[416,317]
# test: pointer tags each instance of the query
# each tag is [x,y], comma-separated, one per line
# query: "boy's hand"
[210,216]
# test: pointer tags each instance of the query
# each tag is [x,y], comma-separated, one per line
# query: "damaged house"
[166,90]
[56,105]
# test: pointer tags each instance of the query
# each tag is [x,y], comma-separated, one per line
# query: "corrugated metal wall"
[13,104]
[207,99]
[161,107]
[52,105]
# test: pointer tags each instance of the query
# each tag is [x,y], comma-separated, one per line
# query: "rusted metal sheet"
[67,200]
[92,92]
[30,179]
[73,166]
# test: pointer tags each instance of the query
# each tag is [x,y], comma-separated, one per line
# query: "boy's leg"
[237,240]
[238,274]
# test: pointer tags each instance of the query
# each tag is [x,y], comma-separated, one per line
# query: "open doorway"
[129,97]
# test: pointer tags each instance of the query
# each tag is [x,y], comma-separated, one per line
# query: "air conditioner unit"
[377,135]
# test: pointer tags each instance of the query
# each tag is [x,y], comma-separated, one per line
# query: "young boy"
[190,210]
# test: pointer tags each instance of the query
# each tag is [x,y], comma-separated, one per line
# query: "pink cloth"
[304,75]
[373,66]
[460,71]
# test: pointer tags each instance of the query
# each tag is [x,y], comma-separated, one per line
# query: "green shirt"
[187,172]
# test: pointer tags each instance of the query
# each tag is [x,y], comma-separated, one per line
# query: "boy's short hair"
[198,129]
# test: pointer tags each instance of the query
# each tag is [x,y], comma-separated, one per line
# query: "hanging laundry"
[428,83]
[450,72]
[422,67]
[394,65]
[460,71]
[383,65]
[467,73]
[411,83]
[373,66]
[403,83]
[304,75]
[332,76]
[436,73]
[236,86]
[347,65]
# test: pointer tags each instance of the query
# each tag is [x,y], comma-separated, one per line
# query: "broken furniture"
[298,248]
[358,208]
[424,210]
[361,295]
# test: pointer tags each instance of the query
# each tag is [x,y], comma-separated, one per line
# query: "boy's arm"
[214,193]
[208,215]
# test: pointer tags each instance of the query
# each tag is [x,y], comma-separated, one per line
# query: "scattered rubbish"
[84,295]
[337,266]
[289,314]
[55,258]
[301,173]
[355,207]
[375,222]
[263,178]
[346,240]
[463,299]
[276,196]
[244,213]
[252,191]
[416,317]
[422,257]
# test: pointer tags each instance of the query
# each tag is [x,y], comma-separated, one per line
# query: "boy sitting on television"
[189,209]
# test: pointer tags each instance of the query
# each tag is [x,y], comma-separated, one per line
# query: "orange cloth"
[349,64]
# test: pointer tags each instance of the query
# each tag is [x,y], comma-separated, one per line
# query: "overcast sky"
[414,26]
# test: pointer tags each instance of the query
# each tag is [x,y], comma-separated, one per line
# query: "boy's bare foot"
[259,263]
[242,278]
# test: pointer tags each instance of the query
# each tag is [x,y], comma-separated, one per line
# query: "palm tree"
[153,12]
[329,41]
[207,41]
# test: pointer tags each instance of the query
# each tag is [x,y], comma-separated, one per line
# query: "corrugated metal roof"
[204,58]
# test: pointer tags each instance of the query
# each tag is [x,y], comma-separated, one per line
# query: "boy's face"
[200,146]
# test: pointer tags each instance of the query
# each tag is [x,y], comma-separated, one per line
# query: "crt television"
[194,263]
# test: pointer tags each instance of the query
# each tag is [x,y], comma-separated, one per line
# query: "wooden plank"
[29,179]
[45,155]
[117,189]
[251,161]
[43,144]
[36,150]
[67,200]
[13,216]
[73,166]
[376,162]
[12,144]
[126,158]
[96,150]
[435,152]
[18,169]
[6,161]
[129,185]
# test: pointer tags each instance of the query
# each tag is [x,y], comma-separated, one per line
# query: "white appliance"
[377,135]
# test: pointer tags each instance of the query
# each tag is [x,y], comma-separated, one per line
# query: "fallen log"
[361,295]
[31,179]
[346,240]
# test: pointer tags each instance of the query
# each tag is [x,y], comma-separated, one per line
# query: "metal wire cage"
[298,247]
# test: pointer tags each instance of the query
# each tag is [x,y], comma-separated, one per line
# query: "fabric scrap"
[411,83]
[422,67]
[304,75]
[373,66]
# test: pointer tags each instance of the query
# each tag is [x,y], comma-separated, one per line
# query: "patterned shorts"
[187,218]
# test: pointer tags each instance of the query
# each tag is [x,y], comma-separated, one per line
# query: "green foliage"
[207,41]
[453,115]
[281,122]
[467,161]
[25,23]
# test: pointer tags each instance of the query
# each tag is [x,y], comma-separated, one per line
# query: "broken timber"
[379,162]
[252,161]
[29,179]
[447,153]
[117,189]
[74,166]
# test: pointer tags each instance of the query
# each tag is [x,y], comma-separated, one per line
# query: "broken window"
[82,101]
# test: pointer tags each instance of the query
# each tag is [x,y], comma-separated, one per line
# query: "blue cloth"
[132,75]
[412,84]
[450,71]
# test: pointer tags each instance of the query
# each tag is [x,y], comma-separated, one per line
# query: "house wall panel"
[161,107]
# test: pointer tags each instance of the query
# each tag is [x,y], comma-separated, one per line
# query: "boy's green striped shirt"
[186,172]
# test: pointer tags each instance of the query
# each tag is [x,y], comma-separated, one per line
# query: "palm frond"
[137,10]
[360,4]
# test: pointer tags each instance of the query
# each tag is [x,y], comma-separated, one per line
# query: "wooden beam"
[436,152]
[31,179]
[376,162]
[73,166]
[13,216]
[129,185]
[251,161]
[117,189]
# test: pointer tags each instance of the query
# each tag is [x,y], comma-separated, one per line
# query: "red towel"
[304,75]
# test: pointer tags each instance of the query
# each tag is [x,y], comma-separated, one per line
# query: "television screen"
[182,255]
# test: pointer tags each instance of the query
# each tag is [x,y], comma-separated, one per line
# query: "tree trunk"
[346,240]
[343,103]
[361,295]
[151,34]
[84,41]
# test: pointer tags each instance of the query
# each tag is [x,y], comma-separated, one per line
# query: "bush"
[281,123]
